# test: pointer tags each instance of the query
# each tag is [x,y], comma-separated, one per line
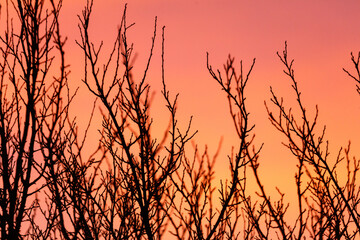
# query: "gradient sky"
[320,35]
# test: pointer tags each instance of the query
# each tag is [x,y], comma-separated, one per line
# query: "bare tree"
[131,201]
[33,111]
[263,217]
[327,209]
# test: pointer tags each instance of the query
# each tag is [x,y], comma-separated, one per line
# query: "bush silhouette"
[135,185]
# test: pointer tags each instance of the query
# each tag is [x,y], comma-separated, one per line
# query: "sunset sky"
[320,35]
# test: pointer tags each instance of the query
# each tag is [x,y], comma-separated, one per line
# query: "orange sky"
[320,35]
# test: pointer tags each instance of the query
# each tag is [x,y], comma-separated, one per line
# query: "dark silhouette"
[136,185]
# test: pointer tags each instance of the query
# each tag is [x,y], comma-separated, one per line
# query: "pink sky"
[320,35]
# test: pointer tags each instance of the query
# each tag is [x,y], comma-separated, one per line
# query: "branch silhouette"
[135,184]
